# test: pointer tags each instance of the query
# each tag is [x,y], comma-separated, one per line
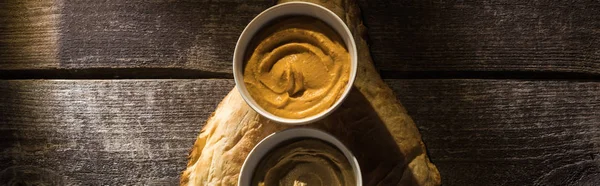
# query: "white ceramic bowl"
[284,10]
[272,141]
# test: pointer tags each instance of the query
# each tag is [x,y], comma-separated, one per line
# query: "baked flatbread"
[371,123]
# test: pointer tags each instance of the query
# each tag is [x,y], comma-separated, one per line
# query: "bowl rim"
[273,140]
[291,9]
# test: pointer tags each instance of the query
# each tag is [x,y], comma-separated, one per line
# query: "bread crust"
[371,122]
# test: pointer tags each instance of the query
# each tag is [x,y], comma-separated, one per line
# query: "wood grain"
[29,34]
[508,132]
[103,35]
[115,132]
[101,132]
[198,35]
[507,35]
[92,37]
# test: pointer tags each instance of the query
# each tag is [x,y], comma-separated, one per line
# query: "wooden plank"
[199,36]
[102,132]
[102,35]
[508,132]
[507,35]
[116,132]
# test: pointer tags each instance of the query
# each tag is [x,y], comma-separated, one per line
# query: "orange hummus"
[297,67]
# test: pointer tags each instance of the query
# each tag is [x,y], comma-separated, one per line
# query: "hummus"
[306,162]
[297,67]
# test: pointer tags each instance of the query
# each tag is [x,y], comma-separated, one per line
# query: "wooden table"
[113,92]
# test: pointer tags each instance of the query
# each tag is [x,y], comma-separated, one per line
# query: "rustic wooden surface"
[508,132]
[199,37]
[506,35]
[525,111]
[478,132]
[102,132]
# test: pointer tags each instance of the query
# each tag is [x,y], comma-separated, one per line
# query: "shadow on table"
[359,127]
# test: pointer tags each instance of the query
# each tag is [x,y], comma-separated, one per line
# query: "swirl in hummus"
[307,162]
[297,67]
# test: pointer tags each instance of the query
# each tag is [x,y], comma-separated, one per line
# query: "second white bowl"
[274,140]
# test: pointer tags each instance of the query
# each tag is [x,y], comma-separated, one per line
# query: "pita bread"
[371,123]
